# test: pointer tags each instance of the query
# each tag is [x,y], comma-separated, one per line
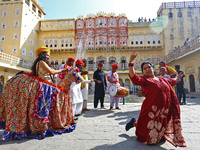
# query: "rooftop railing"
[185,4]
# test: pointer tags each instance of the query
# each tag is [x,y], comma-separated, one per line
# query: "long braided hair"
[42,56]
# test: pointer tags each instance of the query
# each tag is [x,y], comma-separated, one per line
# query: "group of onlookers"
[169,72]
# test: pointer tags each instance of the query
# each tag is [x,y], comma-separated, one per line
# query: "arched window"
[52,62]
[112,60]
[56,62]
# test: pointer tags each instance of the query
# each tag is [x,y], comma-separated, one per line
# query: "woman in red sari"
[160,112]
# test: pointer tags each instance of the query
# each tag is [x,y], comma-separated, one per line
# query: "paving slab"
[105,130]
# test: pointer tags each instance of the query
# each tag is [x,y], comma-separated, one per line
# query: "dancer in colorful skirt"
[160,112]
[69,64]
[113,78]
[30,106]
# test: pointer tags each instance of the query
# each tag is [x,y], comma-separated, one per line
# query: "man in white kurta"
[75,90]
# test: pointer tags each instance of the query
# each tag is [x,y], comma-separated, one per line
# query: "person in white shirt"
[75,90]
[113,78]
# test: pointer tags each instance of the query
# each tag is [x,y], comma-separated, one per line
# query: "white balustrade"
[9,59]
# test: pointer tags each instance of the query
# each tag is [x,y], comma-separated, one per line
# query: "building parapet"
[6,58]
[124,48]
[188,48]
[185,4]
[14,61]
[138,24]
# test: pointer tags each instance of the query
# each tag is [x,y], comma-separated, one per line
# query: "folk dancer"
[160,112]
[69,64]
[33,107]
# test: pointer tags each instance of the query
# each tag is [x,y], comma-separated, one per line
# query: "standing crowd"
[37,108]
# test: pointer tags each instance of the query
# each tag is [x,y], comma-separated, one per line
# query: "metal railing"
[185,4]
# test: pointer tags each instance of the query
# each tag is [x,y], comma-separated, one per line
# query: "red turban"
[115,66]
[71,59]
[100,64]
[79,62]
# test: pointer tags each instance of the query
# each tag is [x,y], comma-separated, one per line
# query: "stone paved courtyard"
[104,130]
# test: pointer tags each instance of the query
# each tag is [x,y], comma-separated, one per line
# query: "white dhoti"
[77,99]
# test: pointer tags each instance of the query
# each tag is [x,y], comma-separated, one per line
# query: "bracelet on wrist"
[131,64]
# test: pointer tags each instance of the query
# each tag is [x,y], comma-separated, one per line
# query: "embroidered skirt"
[33,107]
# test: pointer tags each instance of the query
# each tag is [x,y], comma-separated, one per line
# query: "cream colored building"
[23,30]
[188,59]
[181,21]
[59,36]
[19,21]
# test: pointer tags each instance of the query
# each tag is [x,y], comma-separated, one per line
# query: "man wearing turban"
[75,90]
[69,64]
[113,78]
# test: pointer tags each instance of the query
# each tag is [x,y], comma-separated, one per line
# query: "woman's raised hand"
[133,56]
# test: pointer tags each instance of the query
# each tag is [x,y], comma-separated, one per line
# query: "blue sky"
[61,9]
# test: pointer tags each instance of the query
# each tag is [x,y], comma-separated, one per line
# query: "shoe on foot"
[86,109]
[95,109]
[130,124]
[118,108]
[111,108]
[75,118]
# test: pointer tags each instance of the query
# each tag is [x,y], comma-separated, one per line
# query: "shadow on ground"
[129,143]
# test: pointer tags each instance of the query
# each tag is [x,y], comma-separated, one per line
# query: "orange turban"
[115,66]
[79,62]
[42,49]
